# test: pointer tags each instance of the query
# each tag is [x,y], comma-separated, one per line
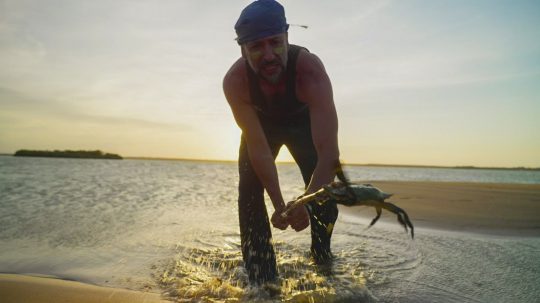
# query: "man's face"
[267,57]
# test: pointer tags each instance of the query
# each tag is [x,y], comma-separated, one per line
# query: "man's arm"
[262,161]
[314,88]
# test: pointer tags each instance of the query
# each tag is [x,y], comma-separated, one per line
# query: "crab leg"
[402,216]
[322,196]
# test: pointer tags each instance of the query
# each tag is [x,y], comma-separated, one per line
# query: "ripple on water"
[112,219]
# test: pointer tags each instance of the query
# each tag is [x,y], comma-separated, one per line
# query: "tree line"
[85,154]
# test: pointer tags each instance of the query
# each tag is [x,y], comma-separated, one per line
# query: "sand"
[29,289]
[500,209]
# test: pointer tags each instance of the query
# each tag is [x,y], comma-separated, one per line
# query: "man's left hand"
[298,217]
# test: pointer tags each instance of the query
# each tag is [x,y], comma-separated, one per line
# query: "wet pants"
[256,237]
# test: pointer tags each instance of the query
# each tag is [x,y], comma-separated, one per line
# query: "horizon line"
[344,163]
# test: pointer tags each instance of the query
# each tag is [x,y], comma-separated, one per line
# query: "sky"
[415,82]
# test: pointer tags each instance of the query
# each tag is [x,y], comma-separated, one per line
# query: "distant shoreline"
[451,167]
[349,164]
[77,154]
[519,168]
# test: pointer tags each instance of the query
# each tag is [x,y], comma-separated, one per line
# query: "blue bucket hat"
[260,19]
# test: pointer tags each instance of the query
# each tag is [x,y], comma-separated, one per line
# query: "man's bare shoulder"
[309,64]
[235,83]
[311,78]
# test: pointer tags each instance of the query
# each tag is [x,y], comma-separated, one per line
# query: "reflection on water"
[172,227]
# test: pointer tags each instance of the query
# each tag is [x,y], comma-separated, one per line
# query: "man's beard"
[275,77]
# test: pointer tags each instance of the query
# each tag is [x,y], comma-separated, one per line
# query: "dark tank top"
[286,109]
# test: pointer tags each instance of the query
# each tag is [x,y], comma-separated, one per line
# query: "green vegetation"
[80,154]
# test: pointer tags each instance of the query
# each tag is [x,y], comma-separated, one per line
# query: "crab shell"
[362,193]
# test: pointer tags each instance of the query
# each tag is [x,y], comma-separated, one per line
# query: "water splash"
[218,275]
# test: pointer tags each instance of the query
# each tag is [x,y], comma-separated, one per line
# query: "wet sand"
[497,209]
[500,209]
[20,288]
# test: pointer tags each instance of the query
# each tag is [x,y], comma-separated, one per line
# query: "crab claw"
[379,211]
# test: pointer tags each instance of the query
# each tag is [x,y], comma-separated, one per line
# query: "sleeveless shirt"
[285,109]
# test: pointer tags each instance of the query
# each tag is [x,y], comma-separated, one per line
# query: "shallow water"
[171,227]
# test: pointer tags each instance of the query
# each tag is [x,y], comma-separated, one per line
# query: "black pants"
[256,236]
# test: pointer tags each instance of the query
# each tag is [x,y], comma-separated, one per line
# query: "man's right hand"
[278,220]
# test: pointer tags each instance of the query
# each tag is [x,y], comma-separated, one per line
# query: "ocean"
[171,227]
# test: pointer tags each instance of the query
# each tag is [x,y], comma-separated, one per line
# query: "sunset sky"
[415,82]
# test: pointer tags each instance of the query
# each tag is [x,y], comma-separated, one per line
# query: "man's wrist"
[277,201]
[279,205]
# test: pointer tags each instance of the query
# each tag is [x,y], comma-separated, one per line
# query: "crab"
[353,194]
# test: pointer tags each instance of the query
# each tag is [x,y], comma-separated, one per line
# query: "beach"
[145,231]
[498,209]
[490,208]
[19,288]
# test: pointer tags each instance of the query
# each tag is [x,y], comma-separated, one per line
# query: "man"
[280,95]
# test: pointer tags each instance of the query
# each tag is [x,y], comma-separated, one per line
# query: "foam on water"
[172,228]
